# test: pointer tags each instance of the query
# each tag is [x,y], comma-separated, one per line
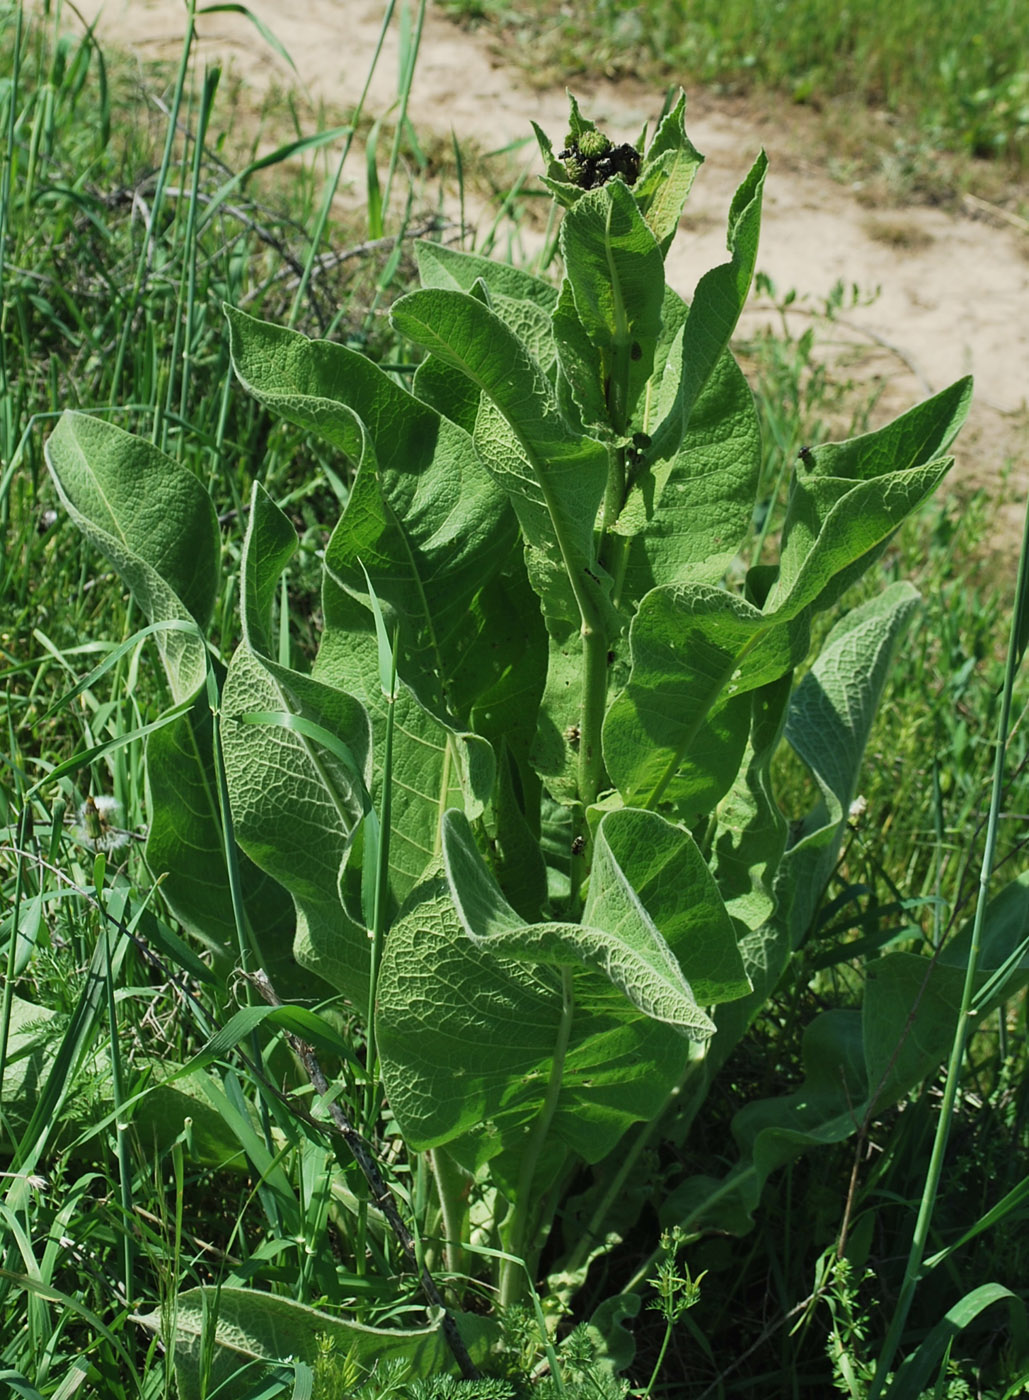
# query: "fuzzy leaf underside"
[467,1040]
[617,936]
[251,1327]
[156,524]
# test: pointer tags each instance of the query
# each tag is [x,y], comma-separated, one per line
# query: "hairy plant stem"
[594,703]
[452,1190]
[524,1207]
[595,644]
[614,496]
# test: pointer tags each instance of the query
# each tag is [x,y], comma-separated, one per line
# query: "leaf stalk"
[523,1208]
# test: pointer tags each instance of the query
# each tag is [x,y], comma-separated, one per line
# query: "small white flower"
[858,808]
[32,1179]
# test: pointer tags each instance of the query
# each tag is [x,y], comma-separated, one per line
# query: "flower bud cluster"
[590,160]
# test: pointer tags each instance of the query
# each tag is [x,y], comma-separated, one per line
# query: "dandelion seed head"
[93,829]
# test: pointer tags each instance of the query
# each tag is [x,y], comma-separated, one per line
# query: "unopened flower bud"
[593,144]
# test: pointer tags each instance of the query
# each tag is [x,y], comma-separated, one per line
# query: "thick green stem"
[523,1211]
[452,1190]
[611,548]
[614,496]
[594,703]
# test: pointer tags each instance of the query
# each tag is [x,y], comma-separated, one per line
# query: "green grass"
[98,312]
[121,238]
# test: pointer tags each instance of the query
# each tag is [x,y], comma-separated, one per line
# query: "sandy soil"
[954,290]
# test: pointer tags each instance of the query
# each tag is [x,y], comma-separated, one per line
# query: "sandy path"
[954,295]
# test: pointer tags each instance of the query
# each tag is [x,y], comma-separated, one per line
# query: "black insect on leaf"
[635,452]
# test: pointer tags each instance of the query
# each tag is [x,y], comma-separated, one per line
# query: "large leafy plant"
[521,803]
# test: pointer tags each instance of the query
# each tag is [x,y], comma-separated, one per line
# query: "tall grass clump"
[130,215]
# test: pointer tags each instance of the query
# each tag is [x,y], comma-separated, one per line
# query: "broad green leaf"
[909,1013]
[527,317]
[435,765]
[921,435]
[298,378]
[270,543]
[751,830]
[829,721]
[498,682]
[554,481]
[689,515]
[242,1326]
[451,395]
[896,1052]
[616,272]
[641,859]
[440,266]
[860,1063]
[617,938]
[424,520]
[522,301]
[695,651]
[714,311]
[295,805]
[154,521]
[467,1042]
[848,498]
[1009,926]
[857,1063]
[666,176]
[428,562]
[674,313]
[185,849]
[555,749]
[581,374]
[514,832]
[532,324]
